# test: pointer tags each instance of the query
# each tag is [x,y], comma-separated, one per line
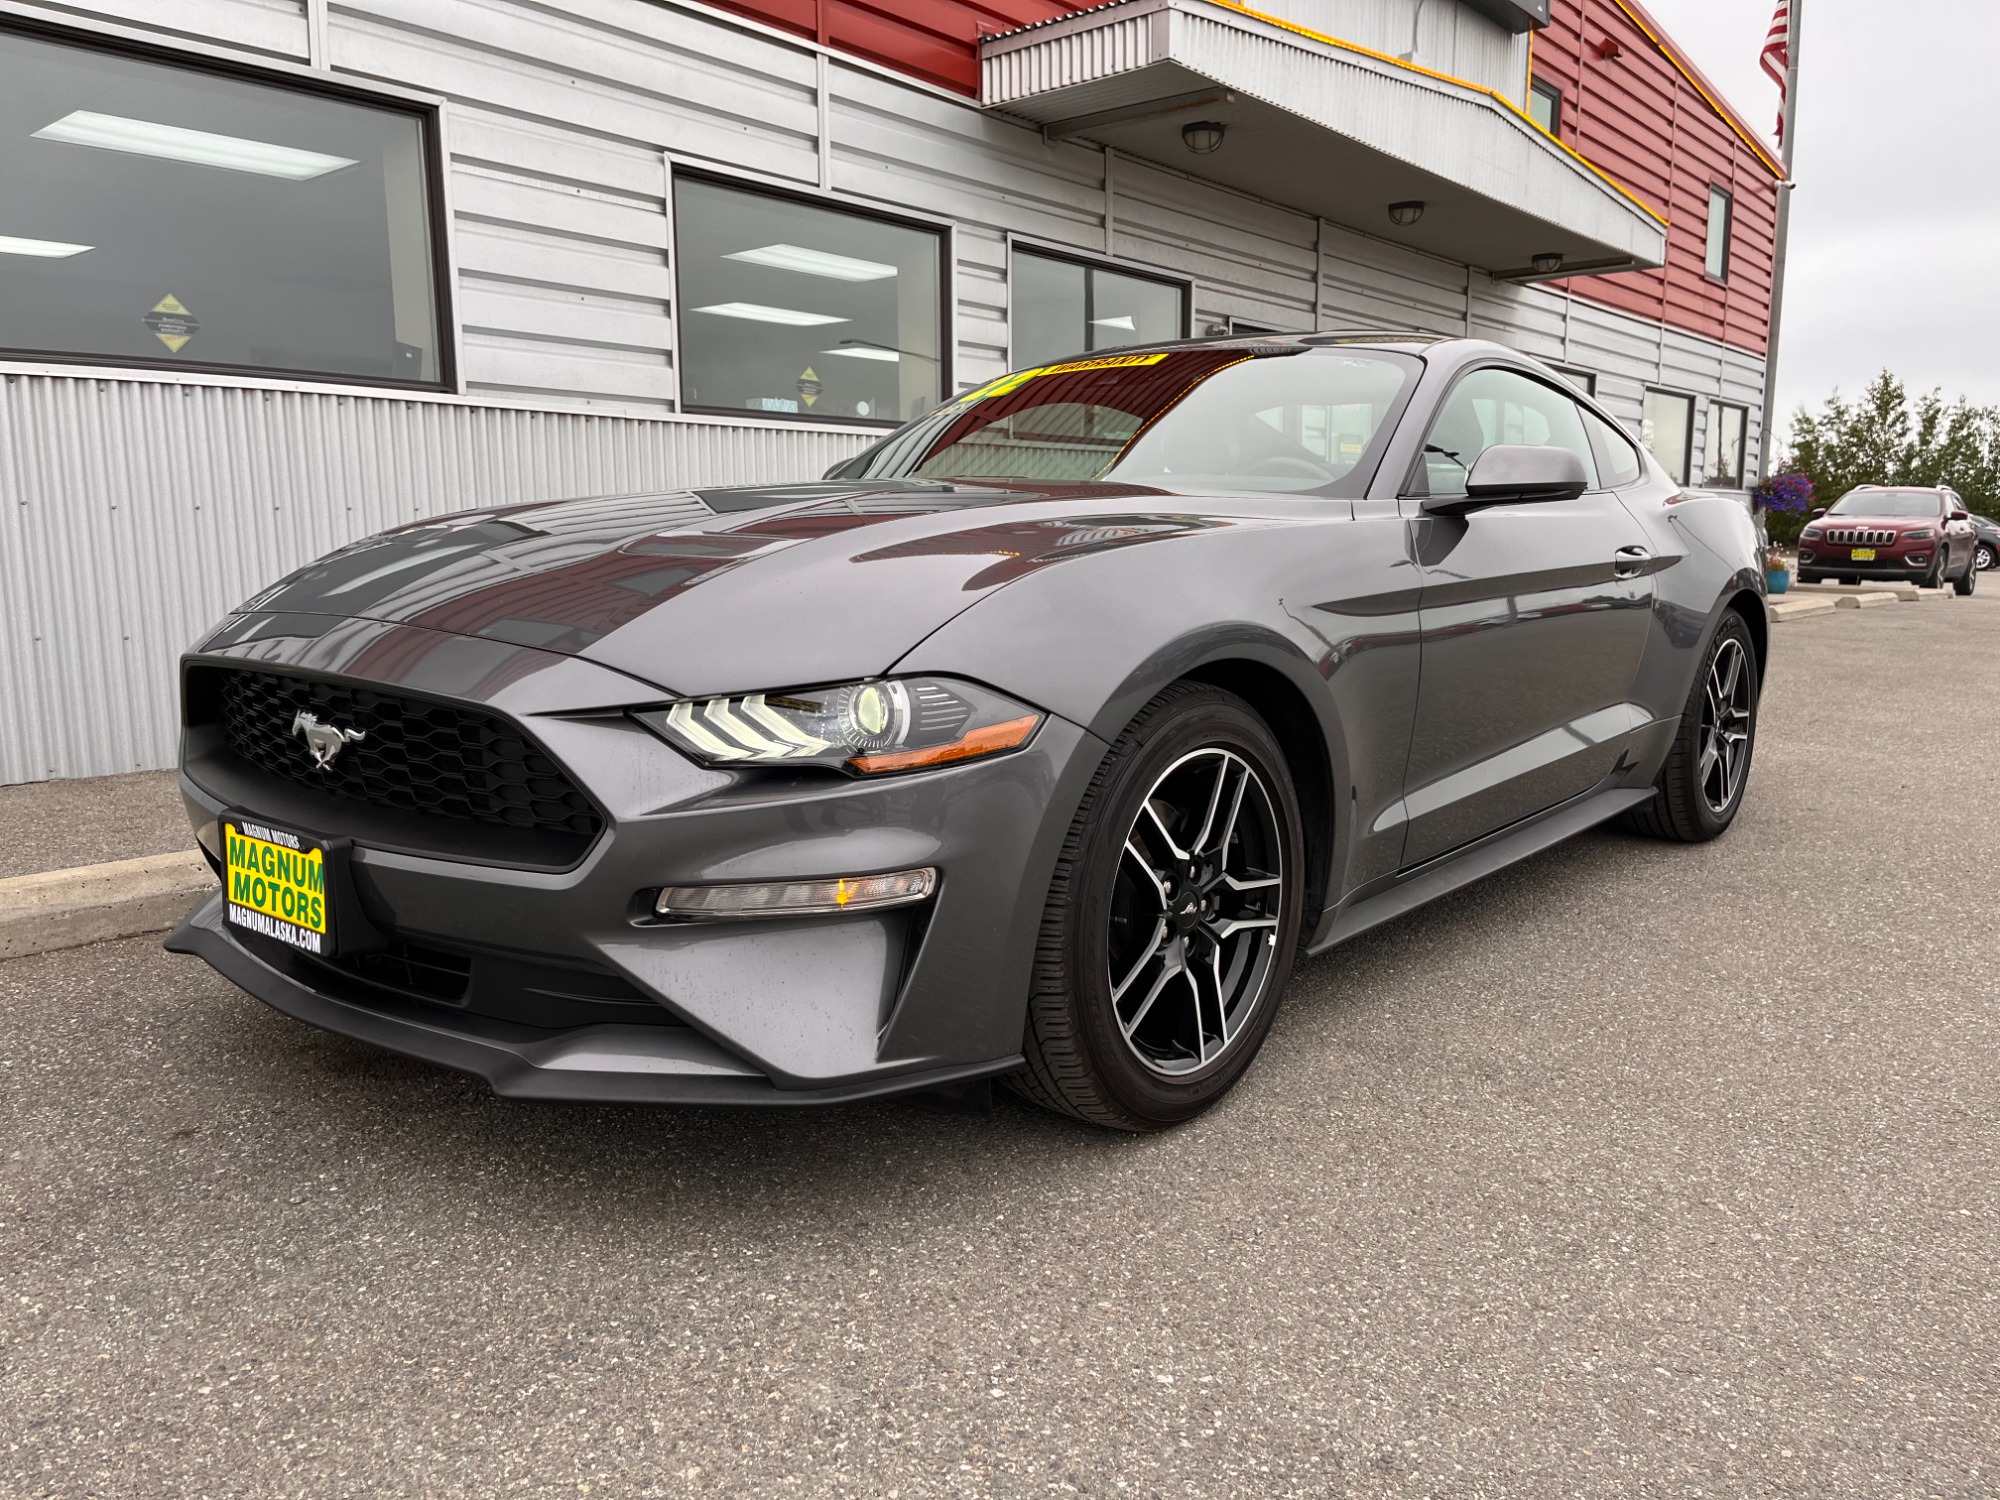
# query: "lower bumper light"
[796,898]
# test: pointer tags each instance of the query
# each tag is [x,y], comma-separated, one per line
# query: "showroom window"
[1721,210]
[161,213]
[1667,430]
[1062,307]
[791,308]
[1726,426]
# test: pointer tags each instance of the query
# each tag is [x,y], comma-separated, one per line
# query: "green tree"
[1886,439]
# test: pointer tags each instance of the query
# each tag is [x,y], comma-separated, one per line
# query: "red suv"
[1900,532]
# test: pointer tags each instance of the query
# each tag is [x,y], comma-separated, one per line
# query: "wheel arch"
[1279,702]
[1757,620]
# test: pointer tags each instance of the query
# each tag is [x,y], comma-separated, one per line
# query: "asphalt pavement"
[1634,1171]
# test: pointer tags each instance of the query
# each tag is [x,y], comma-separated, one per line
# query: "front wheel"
[1171,921]
[1967,581]
[1701,786]
[1985,557]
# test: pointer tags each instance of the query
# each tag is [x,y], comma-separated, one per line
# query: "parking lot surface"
[1634,1171]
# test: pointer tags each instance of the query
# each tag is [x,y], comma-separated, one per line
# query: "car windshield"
[1888,503]
[1282,420]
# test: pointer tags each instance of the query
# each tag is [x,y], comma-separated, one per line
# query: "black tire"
[1848,580]
[1937,578]
[1984,557]
[1805,577]
[1683,809]
[1968,580]
[1084,1057]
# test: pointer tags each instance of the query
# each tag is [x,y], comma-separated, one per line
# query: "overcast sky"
[1895,257]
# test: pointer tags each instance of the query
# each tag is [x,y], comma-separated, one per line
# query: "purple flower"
[1786,492]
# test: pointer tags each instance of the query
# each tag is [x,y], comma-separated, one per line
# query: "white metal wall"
[135,510]
[138,513]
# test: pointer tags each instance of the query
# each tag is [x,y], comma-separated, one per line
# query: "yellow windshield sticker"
[1020,378]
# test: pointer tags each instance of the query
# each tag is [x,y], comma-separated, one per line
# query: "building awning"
[1323,126]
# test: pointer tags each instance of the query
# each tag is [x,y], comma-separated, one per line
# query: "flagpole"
[1765,441]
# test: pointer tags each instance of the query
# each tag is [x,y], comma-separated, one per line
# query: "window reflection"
[1063,307]
[160,214]
[795,309]
[1667,430]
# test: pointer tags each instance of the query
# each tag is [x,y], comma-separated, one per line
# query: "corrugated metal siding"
[1639,119]
[137,513]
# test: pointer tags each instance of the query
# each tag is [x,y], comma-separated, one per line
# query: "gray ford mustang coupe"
[1034,743]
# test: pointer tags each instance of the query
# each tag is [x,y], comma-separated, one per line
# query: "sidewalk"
[88,861]
[58,825]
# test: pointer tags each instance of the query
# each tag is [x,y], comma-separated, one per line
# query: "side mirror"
[1515,474]
[1814,515]
[1960,515]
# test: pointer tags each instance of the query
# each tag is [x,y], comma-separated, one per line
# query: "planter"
[1778,583]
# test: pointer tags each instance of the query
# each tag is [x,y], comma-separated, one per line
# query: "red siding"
[936,40]
[1643,120]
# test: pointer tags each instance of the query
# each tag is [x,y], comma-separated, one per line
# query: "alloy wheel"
[1195,912]
[1983,558]
[1725,728]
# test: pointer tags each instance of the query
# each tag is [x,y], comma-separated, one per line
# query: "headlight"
[1922,534]
[1810,534]
[897,724]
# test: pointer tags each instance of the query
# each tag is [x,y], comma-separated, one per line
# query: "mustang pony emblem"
[326,741]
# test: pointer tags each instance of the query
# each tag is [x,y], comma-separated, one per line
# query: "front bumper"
[600,1064]
[795,1010]
[1905,567]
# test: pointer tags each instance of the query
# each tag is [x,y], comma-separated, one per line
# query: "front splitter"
[590,1064]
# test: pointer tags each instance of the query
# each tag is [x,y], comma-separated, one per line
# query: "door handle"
[1629,562]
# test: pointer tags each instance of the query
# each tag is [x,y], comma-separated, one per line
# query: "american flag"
[1777,57]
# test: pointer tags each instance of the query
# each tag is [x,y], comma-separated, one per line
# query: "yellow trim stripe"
[1465,83]
[1728,115]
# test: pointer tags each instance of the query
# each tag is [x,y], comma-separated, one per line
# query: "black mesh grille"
[413,754]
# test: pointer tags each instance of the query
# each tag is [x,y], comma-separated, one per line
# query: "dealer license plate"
[1862,554]
[276,884]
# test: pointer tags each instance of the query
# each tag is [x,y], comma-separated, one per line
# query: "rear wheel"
[1172,919]
[1701,786]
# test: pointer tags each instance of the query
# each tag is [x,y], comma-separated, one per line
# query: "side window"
[1491,407]
[1618,460]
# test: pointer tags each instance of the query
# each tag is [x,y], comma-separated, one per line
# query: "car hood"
[1882,523]
[720,590]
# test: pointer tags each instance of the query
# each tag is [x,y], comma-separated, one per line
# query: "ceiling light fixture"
[200,147]
[1203,136]
[757,312]
[814,262]
[889,356]
[47,249]
[1547,263]
[1123,320]
[1406,213]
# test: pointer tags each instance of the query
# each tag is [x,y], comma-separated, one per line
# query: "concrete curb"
[95,903]
[1796,609]
[1873,599]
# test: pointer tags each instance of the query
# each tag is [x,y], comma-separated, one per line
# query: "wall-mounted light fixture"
[1547,264]
[1406,214]
[1203,136]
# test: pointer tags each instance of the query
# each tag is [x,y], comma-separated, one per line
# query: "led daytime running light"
[796,898]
